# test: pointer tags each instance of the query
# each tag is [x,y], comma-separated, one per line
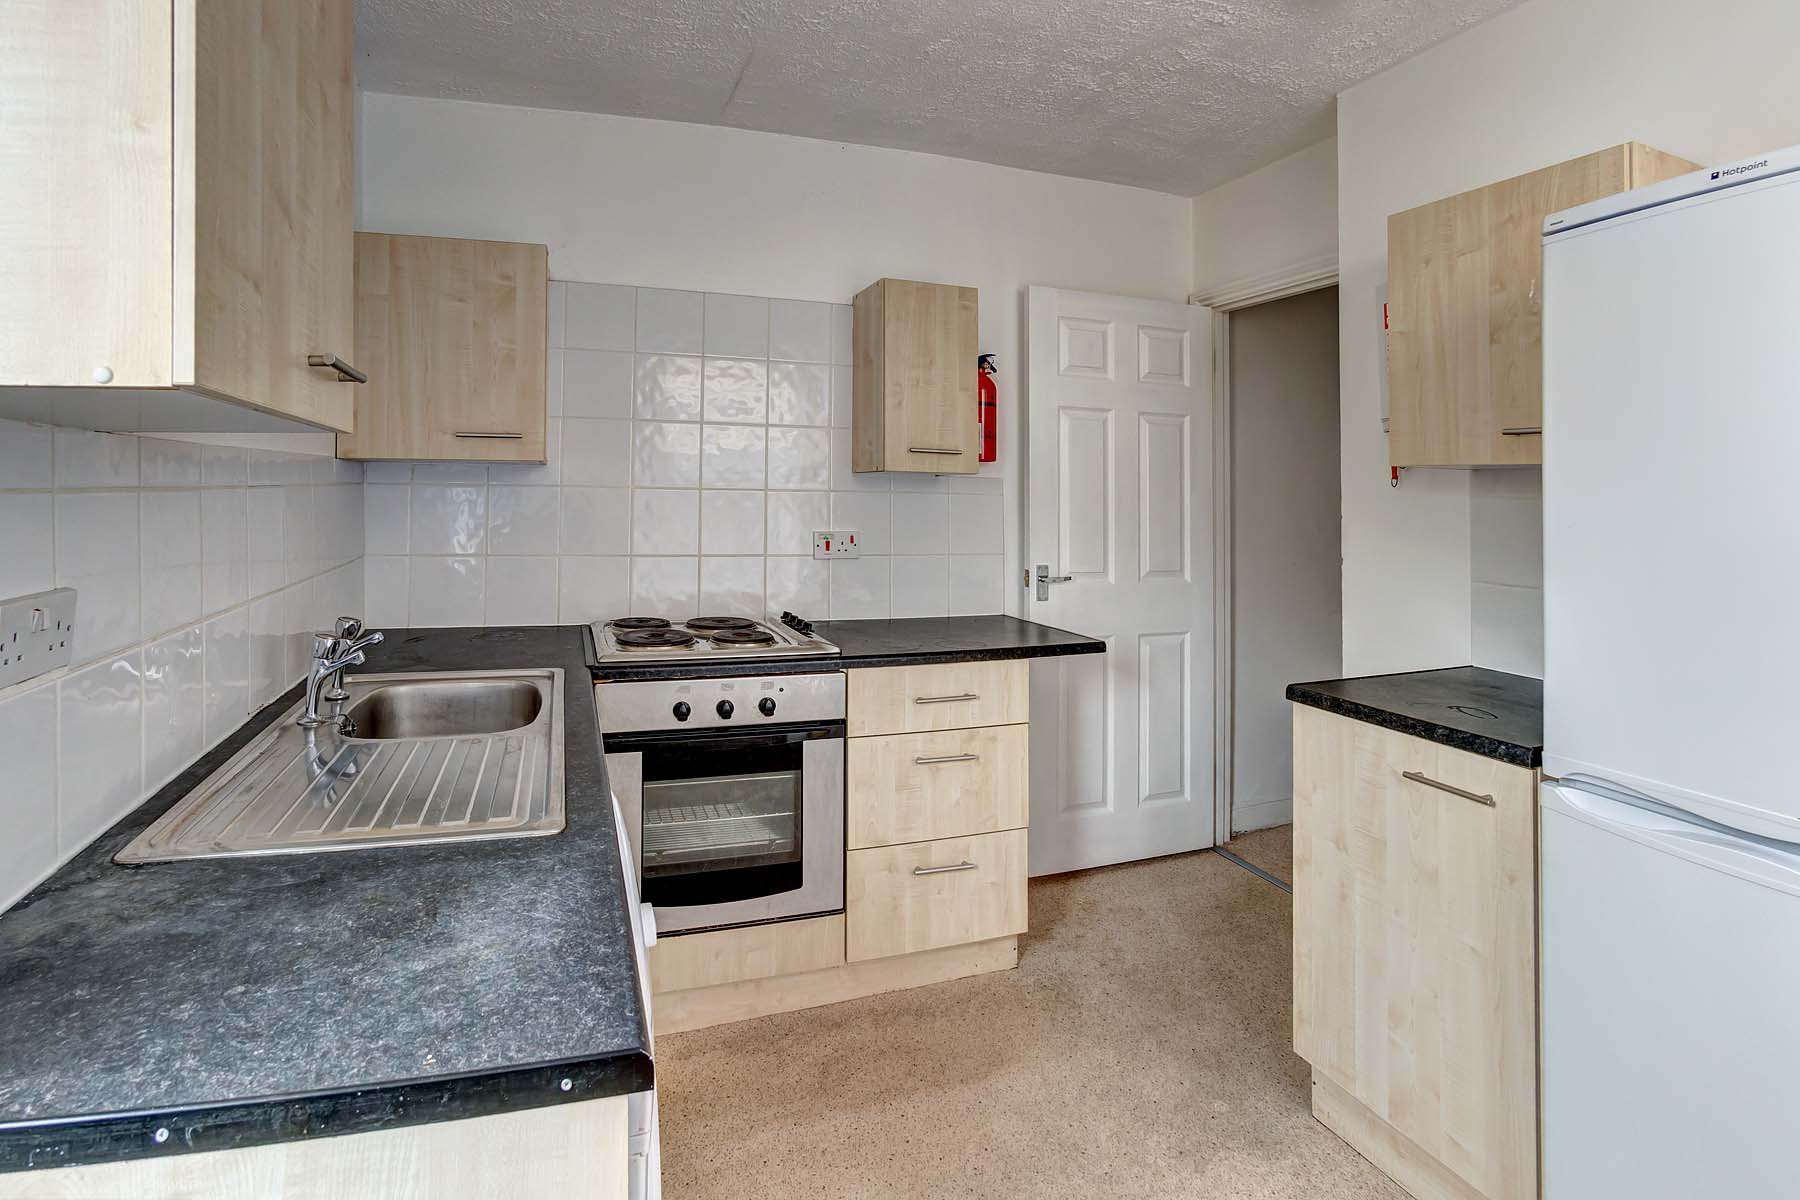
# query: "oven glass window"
[722,821]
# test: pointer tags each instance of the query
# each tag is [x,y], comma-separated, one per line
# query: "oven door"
[733,827]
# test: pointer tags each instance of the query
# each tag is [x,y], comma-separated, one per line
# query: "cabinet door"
[266,161]
[904,899]
[915,351]
[452,333]
[1415,976]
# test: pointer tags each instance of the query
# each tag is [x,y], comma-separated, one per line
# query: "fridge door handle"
[1759,860]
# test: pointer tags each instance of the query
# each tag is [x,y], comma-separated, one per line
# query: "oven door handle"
[668,739]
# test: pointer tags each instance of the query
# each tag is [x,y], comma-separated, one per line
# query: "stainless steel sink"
[424,757]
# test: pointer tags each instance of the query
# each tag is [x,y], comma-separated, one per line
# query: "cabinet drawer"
[691,960]
[902,899]
[913,787]
[940,696]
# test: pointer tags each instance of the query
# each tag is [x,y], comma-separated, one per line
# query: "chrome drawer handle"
[945,699]
[929,760]
[331,362]
[931,450]
[964,865]
[462,434]
[1441,786]
[1521,430]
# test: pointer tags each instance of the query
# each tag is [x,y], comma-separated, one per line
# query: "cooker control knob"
[725,710]
[766,706]
[682,711]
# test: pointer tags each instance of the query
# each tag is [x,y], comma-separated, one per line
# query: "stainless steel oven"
[733,795]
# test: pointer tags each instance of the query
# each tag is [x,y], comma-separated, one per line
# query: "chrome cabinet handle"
[331,362]
[1521,430]
[945,699]
[931,450]
[1441,786]
[930,760]
[964,865]
[466,434]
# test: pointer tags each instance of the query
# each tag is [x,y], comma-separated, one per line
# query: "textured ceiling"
[1176,95]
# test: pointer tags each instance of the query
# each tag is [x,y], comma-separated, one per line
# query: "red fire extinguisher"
[988,413]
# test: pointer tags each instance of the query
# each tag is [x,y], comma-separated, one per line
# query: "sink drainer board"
[296,791]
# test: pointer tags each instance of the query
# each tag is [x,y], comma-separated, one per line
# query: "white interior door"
[1119,424]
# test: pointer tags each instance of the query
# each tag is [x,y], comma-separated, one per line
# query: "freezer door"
[1671,534]
[1671,1031]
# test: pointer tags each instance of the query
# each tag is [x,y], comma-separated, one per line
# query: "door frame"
[1310,275]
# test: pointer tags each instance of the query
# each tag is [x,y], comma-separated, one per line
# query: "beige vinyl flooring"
[1141,1049]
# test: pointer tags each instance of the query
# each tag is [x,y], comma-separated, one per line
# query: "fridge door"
[1671,511]
[1671,1032]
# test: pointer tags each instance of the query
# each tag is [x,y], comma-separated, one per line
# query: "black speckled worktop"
[895,643]
[1484,712]
[235,1002]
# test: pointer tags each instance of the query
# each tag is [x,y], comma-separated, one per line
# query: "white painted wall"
[659,204]
[1280,217]
[1544,82]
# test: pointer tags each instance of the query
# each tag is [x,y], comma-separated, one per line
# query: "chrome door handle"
[945,699]
[331,362]
[1521,430]
[931,450]
[964,865]
[462,434]
[1441,786]
[1045,579]
[931,760]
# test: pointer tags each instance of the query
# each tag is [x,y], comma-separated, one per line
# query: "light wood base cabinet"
[1415,967]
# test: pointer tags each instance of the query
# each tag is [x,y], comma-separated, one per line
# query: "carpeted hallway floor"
[1140,1050]
[1270,849]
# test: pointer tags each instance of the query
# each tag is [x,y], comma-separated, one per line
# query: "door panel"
[1119,428]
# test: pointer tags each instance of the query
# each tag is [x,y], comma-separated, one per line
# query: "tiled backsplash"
[200,569]
[1506,567]
[696,441]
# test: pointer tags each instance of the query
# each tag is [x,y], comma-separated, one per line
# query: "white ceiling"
[1176,95]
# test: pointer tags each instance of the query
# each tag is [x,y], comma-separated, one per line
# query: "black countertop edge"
[266,1120]
[1328,695]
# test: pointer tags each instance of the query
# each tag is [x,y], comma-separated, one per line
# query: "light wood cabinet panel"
[692,960]
[1465,309]
[913,392]
[936,696]
[453,334]
[1415,970]
[178,197]
[919,786]
[904,899]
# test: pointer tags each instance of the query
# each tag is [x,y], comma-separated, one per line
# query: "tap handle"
[373,639]
[349,627]
[324,645]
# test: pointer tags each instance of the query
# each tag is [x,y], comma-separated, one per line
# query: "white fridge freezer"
[1670,919]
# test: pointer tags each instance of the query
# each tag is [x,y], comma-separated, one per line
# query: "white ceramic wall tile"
[665,522]
[387,472]
[868,514]
[449,520]
[665,454]
[592,589]
[977,585]
[859,588]
[227,654]
[224,548]
[299,533]
[598,383]
[799,394]
[735,390]
[799,459]
[910,481]
[28,802]
[1506,528]
[86,459]
[800,331]
[975,524]
[270,630]
[1507,628]
[737,326]
[100,748]
[25,455]
[667,388]
[597,521]
[599,316]
[264,509]
[597,453]
[921,523]
[733,456]
[556,318]
[670,322]
[843,325]
[553,384]
[921,586]
[445,591]
[731,523]
[801,585]
[843,396]
[169,464]
[450,472]
[843,479]
[387,519]
[97,553]
[522,520]
[174,705]
[521,591]
[27,544]
[384,591]
[792,518]
[732,586]
[173,582]
[665,585]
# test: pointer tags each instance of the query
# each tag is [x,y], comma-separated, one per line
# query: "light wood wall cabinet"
[452,334]
[175,178]
[913,390]
[1415,969]
[1465,310]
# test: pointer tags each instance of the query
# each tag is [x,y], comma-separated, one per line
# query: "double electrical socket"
[835,543]
[35,632]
